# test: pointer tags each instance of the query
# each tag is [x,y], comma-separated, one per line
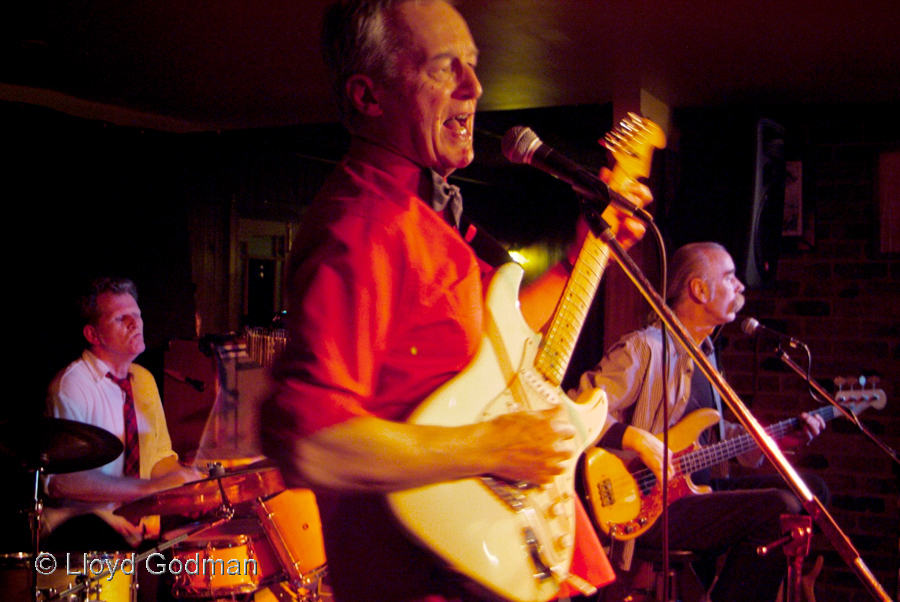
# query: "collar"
[445,198]
[97,367]
[391,170]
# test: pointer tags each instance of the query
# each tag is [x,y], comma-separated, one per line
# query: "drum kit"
[241,534]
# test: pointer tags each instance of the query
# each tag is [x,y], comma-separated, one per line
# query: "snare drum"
[235,565]
[291,522]
[106,576]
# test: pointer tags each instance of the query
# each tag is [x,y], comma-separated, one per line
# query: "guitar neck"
[631,145]
[705,457]
[558,345]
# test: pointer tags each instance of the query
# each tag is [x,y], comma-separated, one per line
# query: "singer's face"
[429,110]
[726,290]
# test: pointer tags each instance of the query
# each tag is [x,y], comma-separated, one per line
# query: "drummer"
[106,389]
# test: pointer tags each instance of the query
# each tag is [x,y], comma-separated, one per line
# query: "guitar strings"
[695,459]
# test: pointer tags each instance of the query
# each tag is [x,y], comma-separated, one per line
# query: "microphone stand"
[790,363]
[768,446]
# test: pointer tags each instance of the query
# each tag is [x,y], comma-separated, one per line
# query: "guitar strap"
[714,360]
[486,247]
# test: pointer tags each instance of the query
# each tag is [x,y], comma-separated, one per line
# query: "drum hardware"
[200,497]
[86,584]
[217,494]
[222,542]
[287,556]
[225,567]
[46,445]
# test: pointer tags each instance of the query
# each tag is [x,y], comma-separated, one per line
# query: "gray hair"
[361,37]
[87,304]
[689,262]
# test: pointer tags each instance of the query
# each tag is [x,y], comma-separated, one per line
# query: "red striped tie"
[132,464]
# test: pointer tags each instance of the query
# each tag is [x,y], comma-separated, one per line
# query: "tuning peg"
[874,381]
[839,382]
[635,122]
[862,380]
[611,139]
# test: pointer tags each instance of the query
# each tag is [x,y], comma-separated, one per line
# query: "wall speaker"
[730,189]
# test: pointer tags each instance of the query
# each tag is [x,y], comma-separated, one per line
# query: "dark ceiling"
[222,64]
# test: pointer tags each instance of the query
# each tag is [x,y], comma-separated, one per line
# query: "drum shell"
[293,526]
[223,567]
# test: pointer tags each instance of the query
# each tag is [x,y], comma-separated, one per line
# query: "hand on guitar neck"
[649,448]
[626,499]
[538,300]
[627,230]
[812,425]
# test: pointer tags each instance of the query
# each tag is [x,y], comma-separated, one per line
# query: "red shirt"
[385,298]
[385,305]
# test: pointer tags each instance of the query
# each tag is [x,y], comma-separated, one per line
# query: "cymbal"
[205,495]
[56,445]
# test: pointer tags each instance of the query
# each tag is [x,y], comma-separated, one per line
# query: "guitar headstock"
[631,144]
[858,394]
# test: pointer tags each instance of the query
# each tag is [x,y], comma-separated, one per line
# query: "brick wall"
[840,295]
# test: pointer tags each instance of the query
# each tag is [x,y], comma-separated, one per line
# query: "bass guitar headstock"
[860,391]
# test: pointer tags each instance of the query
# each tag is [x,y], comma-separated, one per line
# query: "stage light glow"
[518,257]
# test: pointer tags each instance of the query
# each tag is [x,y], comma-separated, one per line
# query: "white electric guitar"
[513,540]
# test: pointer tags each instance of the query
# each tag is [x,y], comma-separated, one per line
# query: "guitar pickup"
[605,492]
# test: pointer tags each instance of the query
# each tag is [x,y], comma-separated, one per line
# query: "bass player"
[742,512]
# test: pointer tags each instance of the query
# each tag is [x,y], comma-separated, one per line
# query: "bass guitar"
[625,497]
[509,538]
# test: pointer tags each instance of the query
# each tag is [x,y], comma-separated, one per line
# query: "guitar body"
[516,543]
[624,498]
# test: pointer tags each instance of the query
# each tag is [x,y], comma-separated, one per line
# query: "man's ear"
[363,95]
[699,290]
[90,333]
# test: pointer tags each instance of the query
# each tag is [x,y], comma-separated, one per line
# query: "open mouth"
[460,124]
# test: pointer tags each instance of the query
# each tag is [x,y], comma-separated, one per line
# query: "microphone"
[522,145]
[752,327]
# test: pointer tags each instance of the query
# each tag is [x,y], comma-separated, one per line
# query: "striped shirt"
[631,372]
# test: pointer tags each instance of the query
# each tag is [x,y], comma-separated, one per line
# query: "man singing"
[386,304]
